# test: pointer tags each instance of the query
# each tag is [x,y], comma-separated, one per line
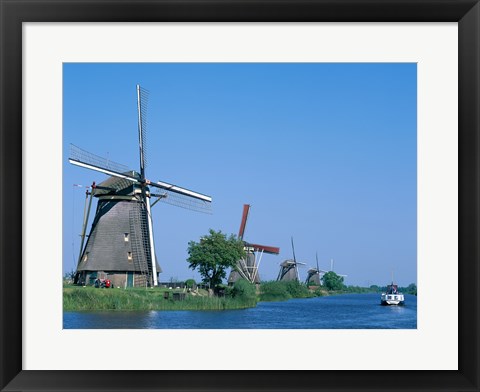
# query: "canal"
[348,311]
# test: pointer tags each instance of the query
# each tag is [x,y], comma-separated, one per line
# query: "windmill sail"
[142,102]
[273,250]
[243,223]
[83,158]
[170,194]
[188,202]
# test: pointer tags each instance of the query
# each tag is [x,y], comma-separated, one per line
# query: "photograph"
[264,195]
[239,195]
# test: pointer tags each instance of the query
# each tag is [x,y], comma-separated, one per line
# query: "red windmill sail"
[256,247]
[248,268]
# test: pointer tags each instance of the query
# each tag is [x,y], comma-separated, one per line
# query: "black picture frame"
[15,12]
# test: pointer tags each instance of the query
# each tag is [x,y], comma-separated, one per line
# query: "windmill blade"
[184,200]
[264,248]
[293,250]
[142,102]
[316,257]
[94,162]
[181,191]
[243,223]
[94,186]
[188,203]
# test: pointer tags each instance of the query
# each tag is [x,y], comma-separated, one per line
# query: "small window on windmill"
[129,256]
[85,257]
[126,237]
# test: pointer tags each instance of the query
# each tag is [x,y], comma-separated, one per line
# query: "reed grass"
[241,296]
[92,299]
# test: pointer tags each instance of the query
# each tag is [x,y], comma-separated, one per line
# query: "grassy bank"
[282,291]
[89,299]
[242,295]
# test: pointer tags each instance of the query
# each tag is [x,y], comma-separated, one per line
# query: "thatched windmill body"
[248,268]
[121,245]
[289,268]
[314,275]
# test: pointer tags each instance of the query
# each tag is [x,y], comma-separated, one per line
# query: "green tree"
[411,289]
[332,281]
[190,283]
[213,255]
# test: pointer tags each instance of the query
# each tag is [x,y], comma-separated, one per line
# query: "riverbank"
[241,296]
[283,291]
[77,298]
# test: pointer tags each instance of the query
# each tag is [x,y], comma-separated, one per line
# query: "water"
[348,311]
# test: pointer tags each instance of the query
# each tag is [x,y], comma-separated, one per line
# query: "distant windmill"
[314,275]
[120,244]
[332,263]
[248,268]
[289,268]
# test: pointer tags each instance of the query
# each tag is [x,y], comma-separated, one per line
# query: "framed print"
[62,62]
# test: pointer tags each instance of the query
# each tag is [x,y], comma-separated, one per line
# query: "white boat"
[392,296]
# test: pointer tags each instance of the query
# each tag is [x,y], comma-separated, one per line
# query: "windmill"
[289,268]
[248,268]
[332,263]
[121,243]
[314,275]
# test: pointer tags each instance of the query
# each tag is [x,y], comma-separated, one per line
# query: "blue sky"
[326,153]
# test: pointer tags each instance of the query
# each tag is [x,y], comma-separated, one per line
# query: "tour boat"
[392,296]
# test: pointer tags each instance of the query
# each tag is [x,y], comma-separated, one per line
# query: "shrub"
[274,291]
[297,290]
[318,292]
[244,290]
